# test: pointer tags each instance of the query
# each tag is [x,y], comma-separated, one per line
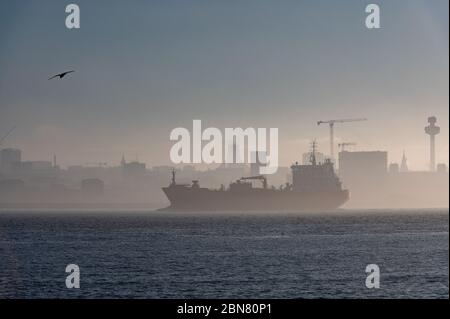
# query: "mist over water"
[271,255]
[109,130]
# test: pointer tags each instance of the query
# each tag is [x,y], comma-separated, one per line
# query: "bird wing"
[61,75]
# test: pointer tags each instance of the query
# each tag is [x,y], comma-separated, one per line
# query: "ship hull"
[203,199]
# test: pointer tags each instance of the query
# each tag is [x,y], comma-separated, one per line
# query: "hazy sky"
[146,67]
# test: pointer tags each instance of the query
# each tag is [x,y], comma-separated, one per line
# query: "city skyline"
[143,70]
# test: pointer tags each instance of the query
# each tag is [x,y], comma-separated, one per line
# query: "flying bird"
[61,75]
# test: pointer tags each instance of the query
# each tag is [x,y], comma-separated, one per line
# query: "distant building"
[363,173]
[41,165]
[21,167]
[133,170]
[359,164]
[394,168]
[92,187]
[441,168]
[8,186]
[26,168]
[415,189]
[162,169]
[9,156]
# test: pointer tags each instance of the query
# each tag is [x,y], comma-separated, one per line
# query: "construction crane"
[6,135]
[331,124]
[259,177]
[344,144]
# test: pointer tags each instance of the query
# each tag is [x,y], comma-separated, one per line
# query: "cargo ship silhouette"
[314,187]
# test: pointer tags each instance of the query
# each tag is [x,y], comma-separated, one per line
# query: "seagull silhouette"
[61,75]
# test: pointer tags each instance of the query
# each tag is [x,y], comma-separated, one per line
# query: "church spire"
[404,164]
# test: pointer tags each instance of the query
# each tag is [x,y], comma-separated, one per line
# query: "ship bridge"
[316,177]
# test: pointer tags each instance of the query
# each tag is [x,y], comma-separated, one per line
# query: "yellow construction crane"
[331,124]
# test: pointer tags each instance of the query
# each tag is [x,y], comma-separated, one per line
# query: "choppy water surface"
[164,255]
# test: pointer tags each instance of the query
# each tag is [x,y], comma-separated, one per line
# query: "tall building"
[362,169]
[432,130]
[9,156]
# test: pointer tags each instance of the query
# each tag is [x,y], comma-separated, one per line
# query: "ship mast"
[173,177]
[313,153]
[259,177]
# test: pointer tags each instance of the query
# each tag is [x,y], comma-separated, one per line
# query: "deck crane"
[259,177]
